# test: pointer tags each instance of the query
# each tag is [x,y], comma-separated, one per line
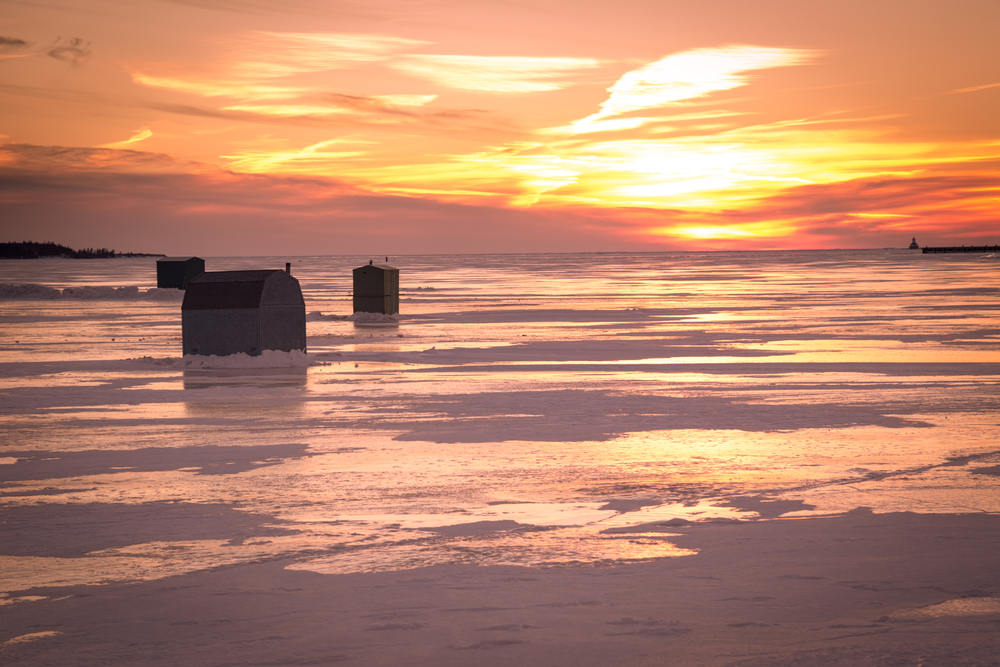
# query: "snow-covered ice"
[684,458]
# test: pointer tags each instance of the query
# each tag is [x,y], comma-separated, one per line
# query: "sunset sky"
[250,127]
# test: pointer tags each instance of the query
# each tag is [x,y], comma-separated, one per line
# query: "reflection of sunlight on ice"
[690,512]
[30,637]
[532,547]
[148,561]
[5,599]
[547,514]
[959,607]
[943,491]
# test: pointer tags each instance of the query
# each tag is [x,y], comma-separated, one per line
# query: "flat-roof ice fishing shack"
[226,312]
[376,289]
[177,272]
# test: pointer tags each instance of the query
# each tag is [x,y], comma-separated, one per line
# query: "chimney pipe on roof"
[288,268]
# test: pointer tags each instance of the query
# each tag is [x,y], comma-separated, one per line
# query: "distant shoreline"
[32,250]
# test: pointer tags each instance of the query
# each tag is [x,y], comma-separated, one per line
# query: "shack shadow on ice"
[227,312]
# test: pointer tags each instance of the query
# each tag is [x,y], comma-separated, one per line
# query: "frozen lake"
[526,411]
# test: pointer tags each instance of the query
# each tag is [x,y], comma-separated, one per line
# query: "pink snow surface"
[718,459]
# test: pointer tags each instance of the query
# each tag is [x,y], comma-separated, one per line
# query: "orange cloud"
[973,89]
[139,135]
[288,53]
[495,74]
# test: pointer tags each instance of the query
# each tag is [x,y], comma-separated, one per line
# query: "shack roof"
[384,267]
[221,290]
[252,276]
[177,259]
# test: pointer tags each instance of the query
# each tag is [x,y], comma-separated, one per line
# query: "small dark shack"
[177,272]
[376,289]
[226,312]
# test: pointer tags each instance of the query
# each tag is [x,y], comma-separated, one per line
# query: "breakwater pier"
[964,248]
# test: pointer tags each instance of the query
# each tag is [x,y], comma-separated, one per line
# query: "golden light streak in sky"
[679,77]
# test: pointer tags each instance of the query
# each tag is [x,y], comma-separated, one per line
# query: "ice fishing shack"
[376,289]
[177,272]
[226,312]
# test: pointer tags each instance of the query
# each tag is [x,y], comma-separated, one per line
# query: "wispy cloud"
[258,73]
[20,158]
[972,89]
[495,74]
[252,64]
[288,53]
[320,158]
[140,135]
[212,87]
[11,44]
[336,109]
[72,50]
[680,77]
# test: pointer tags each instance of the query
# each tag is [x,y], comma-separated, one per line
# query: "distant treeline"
[32,250]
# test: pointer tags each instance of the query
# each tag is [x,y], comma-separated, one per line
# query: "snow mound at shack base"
[266,359]
[362,317]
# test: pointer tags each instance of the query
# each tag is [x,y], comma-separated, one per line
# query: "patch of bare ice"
[33,291]
[31,637]
[266,359]
[979,606]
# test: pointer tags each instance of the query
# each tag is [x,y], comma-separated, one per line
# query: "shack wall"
[283,328]
[221,332]
[388,304]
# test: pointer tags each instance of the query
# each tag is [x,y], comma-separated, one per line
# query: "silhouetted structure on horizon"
[970,248]
[177,272]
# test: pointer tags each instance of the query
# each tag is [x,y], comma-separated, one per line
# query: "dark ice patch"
[68,531]
[767,509]
[629,504]
[596,415]
[207,460]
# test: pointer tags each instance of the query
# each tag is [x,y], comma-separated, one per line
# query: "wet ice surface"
[527,410]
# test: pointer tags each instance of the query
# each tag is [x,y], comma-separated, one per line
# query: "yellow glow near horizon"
[713,232]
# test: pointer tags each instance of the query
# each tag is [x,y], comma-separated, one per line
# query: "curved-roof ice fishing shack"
[226,312]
